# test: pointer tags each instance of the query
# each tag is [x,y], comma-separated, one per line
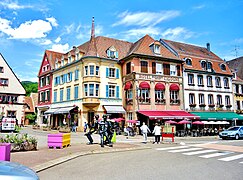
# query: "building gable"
[13,85]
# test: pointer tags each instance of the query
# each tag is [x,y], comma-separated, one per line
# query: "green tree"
[30,87]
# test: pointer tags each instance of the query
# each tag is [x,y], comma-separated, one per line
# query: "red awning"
[128,86]
[144,85]
[172,115]
[174,87]
[159,86]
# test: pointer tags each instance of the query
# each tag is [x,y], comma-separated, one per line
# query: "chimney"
[208,46]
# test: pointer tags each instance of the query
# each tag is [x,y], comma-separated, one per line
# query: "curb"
[61,160]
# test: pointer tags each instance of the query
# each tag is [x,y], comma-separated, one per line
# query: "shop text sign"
[157,77]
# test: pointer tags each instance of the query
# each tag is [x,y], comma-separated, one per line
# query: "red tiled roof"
[52,56]
[28,101]
[197,53]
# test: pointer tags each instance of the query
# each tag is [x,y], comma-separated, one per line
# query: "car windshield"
[233,129]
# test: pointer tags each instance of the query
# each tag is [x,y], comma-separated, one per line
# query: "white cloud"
[201,6]
[27,30]
[63,48]
[44,42]
[14,5]
[53,21]
[57,40]
[145,18]
[138,33]
[178,33]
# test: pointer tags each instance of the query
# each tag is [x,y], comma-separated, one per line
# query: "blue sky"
[28,27]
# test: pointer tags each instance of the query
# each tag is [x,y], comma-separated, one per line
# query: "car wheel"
[237,136]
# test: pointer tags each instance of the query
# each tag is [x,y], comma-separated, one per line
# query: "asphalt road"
[145,164]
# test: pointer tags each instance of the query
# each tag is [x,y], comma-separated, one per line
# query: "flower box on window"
[211,105]
[192,105]
[174,101]
[228,106]
[202,105]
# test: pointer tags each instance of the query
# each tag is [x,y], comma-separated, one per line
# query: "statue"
[105,131]
[92,129]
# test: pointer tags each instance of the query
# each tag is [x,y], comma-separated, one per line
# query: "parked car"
[235,132]
[16,171]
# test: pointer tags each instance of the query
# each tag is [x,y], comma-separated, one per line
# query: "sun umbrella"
[119,119]
[184,122]
[170,122]
[198,122]
[132,121]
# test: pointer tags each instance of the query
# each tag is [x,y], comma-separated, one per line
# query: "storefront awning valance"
[128,86]
[144,85]
[64,110]
[50,111]
[215,122]
[174,87]
[159,86]
[114,109]
[172,115]
[219,116]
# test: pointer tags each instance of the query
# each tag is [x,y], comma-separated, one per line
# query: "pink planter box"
[5,149]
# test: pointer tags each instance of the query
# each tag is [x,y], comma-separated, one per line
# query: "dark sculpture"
[105,131]
[92,129]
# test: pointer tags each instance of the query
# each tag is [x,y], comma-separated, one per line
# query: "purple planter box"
[55,140]
[5,149]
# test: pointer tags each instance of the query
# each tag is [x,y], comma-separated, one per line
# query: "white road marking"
[215,154]
[200,152]
[231,158]
[169,148]
[184,150]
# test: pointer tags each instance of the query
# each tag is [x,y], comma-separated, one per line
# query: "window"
[209,81]
[1,69]
[86,70]
[129,115]
[201,99]
[91,70]
[42,97]
[143,95]
[111,91]
[55,96]
[210,99]
[97,90]
[76,74]
[166,68]
[91,89]
[200,80]
[188,62]
[227,100]
[226,83]
[129,94]
[128,68]
[56,64]
[174,96]
[209,66]
[3,82]
[42,82]
[144,66]
[218,82]
[62,62]
[219,100]
[203,65]
[69,77]
[191,79]
[69,59]
[76,92]
[86,90]
[157,49]
[61,94]
[97,71]
[47,80]
[68,93]
[223,67]
[172,70]
[191,99]
[47,95]
[159,68]
[111,72]
[159,96]
[77,56]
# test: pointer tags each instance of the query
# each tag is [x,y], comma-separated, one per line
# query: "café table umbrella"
[119,119]
[170,122]
[198,123]
[184,122]
[132,121]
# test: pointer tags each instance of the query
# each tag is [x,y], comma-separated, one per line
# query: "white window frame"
[173,70]
[159,68]
[201,98]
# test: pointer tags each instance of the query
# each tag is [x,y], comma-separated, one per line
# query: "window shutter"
[117,91]
[116,54]
[107,91]
[107,72]
[178,70]
[153,67]
[71,76]
[117,73]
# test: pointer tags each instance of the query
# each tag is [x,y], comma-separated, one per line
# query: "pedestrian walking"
[157,133]
[144,129]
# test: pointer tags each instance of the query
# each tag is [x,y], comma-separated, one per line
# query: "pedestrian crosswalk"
[225,156]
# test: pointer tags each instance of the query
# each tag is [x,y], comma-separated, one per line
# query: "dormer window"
[209,66]
[223,67]
[69,58]
[203,65]
[156,48]
[188,62]
[112,52]
[56,64]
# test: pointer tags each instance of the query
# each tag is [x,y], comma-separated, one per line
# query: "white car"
[235,132]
